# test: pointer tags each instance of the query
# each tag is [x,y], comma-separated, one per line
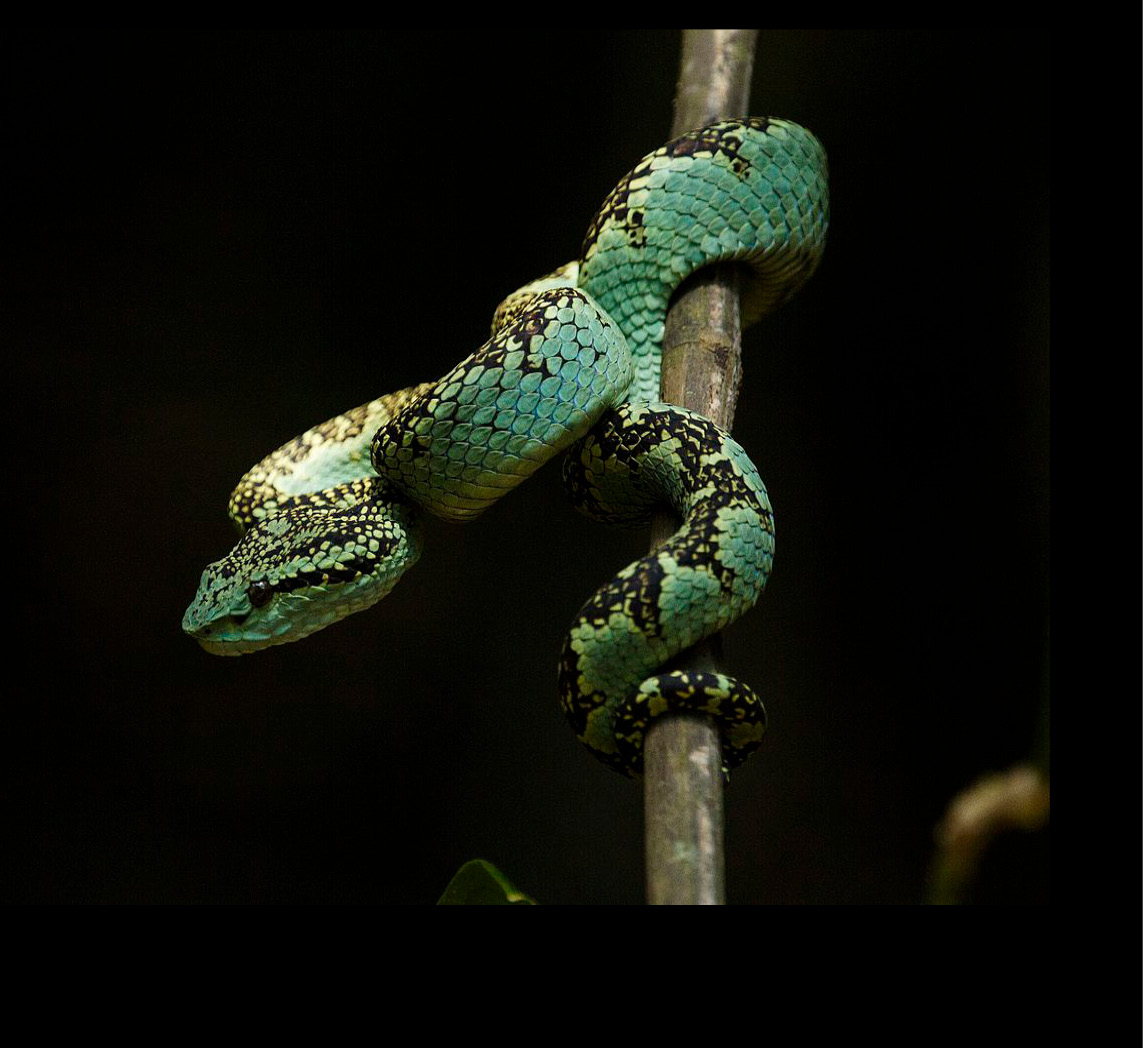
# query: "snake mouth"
[216,642]
[216,647]
[214,639]
[225,635]
[236,633]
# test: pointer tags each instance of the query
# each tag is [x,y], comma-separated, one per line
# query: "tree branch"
[702,371]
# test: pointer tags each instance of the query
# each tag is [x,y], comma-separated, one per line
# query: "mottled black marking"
[680,459]
[689,691]
[719,140]
[723,139]
[516,335]
[614,207]
[246,500]
[636,595]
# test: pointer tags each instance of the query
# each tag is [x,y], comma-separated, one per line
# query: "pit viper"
[330,518]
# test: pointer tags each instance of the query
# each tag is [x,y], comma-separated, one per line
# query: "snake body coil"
[329,518]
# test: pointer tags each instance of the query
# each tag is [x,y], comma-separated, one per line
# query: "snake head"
[297,572]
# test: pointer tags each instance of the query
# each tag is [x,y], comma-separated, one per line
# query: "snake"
[331,520]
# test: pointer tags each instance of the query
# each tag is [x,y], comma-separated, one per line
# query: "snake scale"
[330,518]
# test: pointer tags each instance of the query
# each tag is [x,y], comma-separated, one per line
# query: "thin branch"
[1018,799]
[701,370]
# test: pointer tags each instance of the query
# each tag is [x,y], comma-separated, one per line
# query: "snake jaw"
[231,629]
[229,633]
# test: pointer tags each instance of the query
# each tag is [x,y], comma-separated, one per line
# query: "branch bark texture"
[702,371]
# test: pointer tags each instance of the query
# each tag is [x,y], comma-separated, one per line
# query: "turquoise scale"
[731,192]
[534,389]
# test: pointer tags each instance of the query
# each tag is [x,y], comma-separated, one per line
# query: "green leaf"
[479,883]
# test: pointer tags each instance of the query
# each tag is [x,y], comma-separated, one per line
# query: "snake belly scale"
[329,520]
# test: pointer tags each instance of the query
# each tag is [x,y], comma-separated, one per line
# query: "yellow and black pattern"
[710,572]
[310,469]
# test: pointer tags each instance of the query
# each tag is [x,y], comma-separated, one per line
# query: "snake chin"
[228,648]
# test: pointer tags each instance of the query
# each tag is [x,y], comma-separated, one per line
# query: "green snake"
[330,518]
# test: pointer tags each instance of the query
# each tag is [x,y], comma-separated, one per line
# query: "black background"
[216,241]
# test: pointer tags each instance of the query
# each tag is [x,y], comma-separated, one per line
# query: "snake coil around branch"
[330,518]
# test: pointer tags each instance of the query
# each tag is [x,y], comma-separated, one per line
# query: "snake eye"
[259,593]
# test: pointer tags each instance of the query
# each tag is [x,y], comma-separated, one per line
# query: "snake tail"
[710,572]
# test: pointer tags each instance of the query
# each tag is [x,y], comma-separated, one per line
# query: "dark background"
[216,241]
